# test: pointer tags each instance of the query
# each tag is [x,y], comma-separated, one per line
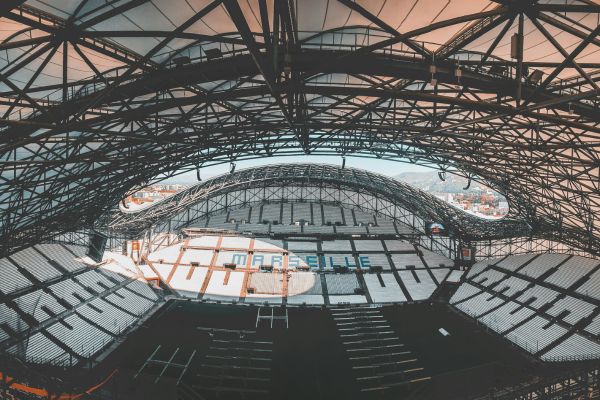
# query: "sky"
[384,167]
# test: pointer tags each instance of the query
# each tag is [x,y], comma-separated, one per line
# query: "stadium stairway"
[443,292]
[237,365]
[187,392]
[381,363]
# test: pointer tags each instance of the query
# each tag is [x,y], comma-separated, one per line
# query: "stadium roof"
[422,204]
[98,97]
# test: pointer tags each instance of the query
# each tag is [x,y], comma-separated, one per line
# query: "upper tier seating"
[36,303]
[70,291]
[217,219]
[254,228]
[440,274]
[541,264]
[141,288]
[279,218]
[271,213]
[512,286]
[107,316]
[571,271]
[304,283]
[318,229]
[128,299]
[317,214]
[289,229]
[534,335]
[489,277]
[389,292]
[331,260]
[479,266]
[76,315]
[506,317]
[591,287]
[539,294]
[435,260]
[61,256]
[10,319]
[239,214]
[336,245]
[540,303]
[255,214]
[302,246]
[383,221]
[418,290]
[351,229]
[577,309]
[513,263]
[40,349]
[343,284]
[36,264]
[375,260]
[464,291]
[399,245]
[363,218]
[302,212]
[12,280]
[286,217]
[594,326]
[404,229]
[455,276]
[479,304]
[332,215]
[94,281]
[268,244]
[368,245]
[573,348]
[382,230]
[200,223]
[403,261]
[80,336]
[221,225]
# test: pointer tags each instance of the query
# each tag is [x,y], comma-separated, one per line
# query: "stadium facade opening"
[300,280]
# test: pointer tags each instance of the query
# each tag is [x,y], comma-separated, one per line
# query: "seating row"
[77,311]
[291,213]
[536,302]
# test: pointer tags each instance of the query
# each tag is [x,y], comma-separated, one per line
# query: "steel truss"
[330,184]
[70,150]
[581,382]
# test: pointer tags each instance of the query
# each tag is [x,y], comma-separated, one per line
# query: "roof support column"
[519,54]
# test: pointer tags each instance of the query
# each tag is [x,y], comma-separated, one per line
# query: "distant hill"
[429,181]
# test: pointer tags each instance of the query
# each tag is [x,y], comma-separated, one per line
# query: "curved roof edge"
[422,204]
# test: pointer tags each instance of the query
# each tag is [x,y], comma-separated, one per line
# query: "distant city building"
[478,199]
[153,193]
